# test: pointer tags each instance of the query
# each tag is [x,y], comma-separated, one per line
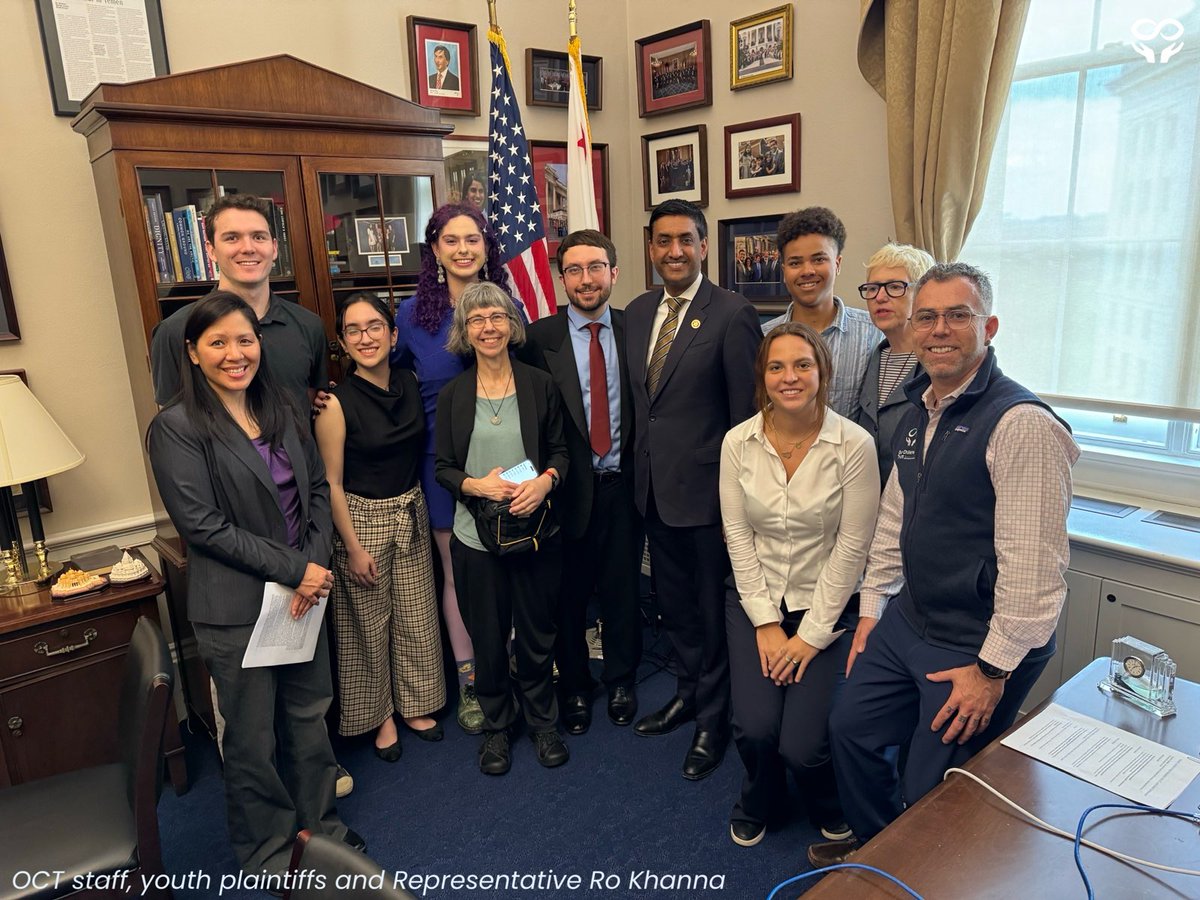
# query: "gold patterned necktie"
[662,346]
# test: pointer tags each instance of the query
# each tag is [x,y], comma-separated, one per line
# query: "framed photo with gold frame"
[760,48]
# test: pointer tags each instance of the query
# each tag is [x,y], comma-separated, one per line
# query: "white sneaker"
[839,832]
[344,784]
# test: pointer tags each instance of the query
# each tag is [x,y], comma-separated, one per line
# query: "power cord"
[849,865]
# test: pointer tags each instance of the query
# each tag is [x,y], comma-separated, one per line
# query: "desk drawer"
[60,644]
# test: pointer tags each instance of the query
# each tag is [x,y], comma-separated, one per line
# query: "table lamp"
[32,446]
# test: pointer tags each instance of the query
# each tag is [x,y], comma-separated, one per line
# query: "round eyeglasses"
[958,319]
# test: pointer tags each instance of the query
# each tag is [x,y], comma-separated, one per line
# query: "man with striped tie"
[691,349]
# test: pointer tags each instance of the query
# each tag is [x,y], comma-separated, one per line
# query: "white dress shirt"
[801,542]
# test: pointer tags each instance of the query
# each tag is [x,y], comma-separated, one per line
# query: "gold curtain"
[944,67]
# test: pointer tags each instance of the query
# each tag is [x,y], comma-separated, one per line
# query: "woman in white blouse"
[799,494]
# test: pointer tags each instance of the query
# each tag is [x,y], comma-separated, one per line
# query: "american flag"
[513,207]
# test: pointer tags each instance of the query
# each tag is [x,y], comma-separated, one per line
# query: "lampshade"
[32,445]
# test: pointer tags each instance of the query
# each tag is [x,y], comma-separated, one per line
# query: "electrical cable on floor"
[848,865]
[1077,837]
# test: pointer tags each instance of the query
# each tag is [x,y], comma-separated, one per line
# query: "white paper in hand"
[278,639]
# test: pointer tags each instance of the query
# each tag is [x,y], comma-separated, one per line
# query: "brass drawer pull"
[89,635]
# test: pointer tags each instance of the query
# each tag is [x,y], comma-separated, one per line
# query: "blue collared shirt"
[581,340]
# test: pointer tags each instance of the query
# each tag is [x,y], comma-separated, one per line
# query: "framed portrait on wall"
[674,69]
[548,80]
[675,166]
[550,181]
[750,262]
[466,163]
[443,65]
[763,157]
[9,329]
[760,48]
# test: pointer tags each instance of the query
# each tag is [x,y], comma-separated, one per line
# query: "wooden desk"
[61,666]
[960,841]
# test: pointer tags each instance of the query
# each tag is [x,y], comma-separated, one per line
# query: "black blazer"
[541,425]
[706,387]
[219,493]
[449,83]
[548,346]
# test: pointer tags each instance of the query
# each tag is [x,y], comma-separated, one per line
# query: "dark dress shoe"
[831,853]
[495,756]
[355,840]
[391,753]
[551,751]
[622,705]
[665,720]
[576,711]
[705,755]
[746,834]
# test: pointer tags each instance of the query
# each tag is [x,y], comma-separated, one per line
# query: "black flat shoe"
[390,753]
[434,733]
[705,755]
[665,720]
[622,705]
[576,712]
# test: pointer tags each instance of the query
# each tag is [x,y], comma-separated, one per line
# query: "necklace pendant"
[786,454]
[496,420]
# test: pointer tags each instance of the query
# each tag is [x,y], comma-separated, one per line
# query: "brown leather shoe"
[830,853]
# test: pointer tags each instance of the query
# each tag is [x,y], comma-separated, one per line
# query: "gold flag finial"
[492,15]
[572,16]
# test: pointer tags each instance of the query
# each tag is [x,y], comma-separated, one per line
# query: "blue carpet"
[618,810]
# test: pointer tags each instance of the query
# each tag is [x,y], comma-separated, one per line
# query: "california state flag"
[581,192]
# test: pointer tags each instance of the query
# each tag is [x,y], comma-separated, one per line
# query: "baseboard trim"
[129,532]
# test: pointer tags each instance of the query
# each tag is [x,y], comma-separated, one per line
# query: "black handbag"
[504,534]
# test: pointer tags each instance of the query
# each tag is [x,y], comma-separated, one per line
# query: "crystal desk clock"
[1142,674]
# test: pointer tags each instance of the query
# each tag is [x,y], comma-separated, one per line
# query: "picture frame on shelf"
[550,182]
[674,69]
[9,329]
[443,65]
[652,279]
[548,82]
[466,163]
[750,261]
[760,48]
[374,238]
[763,157]
[73,70]
[675,166]
[41,487]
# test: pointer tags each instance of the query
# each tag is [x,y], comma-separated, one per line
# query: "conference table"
[959,842]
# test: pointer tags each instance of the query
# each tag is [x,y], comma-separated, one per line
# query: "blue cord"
[1136,807]
[795,878]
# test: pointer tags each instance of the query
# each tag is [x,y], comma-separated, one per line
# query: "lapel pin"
[695,323]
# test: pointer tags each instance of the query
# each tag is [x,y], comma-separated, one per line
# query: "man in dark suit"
[691,368]
[583,349]
[442,79]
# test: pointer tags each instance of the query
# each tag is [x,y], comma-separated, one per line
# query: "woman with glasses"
[888,290]
[495,416]
[372,438]
[459,250]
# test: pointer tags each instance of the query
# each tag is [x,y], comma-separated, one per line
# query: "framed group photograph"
[443,66]
[675,166]
[652,278]
[763,157]
[760,48]
[674,69]
[466,163]
[550,181]
[750,261]
[548,79]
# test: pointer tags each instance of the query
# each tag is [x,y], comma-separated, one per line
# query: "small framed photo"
[548,79]
[443,67]
[550,181]
[674,69]
[652,278]
[750,261]
[763,157]
[760,48]
[377,237]
[675,166]
[466,163]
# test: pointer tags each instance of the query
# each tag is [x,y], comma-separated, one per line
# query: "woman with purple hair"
[459,250]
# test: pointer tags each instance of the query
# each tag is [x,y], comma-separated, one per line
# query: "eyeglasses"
[958,319]
[495,320]
[595,269]
[894,289]
[375,330]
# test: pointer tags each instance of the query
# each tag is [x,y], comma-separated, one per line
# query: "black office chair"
[320,854]
[102,820]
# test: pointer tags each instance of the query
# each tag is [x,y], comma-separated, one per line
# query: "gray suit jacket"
[219,493]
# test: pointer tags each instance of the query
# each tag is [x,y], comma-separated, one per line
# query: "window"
[1090,225]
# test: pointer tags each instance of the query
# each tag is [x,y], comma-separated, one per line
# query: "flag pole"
[492,23]
[571,16]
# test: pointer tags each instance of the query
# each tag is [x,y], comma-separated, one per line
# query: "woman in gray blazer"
[243,483]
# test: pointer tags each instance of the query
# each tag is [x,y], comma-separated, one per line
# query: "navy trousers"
[888,702]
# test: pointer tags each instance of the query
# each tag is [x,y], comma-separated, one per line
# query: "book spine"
[187,258]
[155,219]
[285,245]
[197,243]
[209,267]
[174,246]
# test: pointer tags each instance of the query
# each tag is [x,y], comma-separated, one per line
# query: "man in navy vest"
[964,581]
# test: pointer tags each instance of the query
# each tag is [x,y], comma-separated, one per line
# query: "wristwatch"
[991,671]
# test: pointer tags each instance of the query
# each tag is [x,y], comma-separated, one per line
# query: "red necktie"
[600,427]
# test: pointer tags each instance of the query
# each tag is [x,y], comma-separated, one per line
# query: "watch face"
[1134,666]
